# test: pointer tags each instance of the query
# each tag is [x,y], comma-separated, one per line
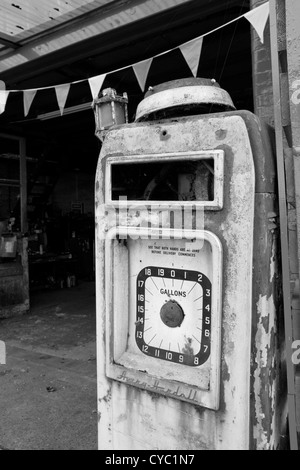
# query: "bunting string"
[191,51]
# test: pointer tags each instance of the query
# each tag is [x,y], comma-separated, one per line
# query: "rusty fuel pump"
[188,292]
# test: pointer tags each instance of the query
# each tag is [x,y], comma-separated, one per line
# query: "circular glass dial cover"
[173,318]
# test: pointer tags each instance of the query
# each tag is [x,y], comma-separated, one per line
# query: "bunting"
[191,52]
[258,19]
[3,96]
[62,92]
[141,71]
[3,100]
[96,84]
[28,99]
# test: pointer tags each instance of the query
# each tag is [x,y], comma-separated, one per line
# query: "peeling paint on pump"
[143,402]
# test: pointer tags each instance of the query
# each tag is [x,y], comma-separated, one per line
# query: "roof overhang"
[70,29]
[88,28]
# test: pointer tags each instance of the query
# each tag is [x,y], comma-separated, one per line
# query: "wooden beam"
[7,41]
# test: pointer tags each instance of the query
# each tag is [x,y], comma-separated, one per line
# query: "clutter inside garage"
[55,200]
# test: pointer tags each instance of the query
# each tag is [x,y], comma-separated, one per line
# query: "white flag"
[3,100]
[258,18]
[3,96]
[62,92]
[192,52]
[96,84]
[141,71]
[28,97]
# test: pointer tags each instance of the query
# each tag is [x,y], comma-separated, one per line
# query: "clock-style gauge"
[174,315]
[164,298]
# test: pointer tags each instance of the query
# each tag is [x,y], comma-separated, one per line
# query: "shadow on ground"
[48,395]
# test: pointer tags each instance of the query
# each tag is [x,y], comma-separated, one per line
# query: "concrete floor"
[48,386]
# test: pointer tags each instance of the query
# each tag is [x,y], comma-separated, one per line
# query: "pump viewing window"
[197,178]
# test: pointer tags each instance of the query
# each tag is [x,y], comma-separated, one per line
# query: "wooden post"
[293,62]
[278,121]
[23,183]
[262,73]
[293,59]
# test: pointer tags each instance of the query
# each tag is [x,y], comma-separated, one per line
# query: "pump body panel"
[232,399]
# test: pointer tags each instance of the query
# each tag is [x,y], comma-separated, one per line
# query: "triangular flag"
[3,100]
[192,52]
[28,97]
[3,96]
[96,84]
[62,92]
[258,18]
[141,71]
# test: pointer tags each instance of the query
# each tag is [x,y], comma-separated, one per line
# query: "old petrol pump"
[188,292]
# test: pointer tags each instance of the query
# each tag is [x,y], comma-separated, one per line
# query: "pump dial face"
[174,315]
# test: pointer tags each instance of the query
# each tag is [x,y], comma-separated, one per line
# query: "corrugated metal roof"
[23,21]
